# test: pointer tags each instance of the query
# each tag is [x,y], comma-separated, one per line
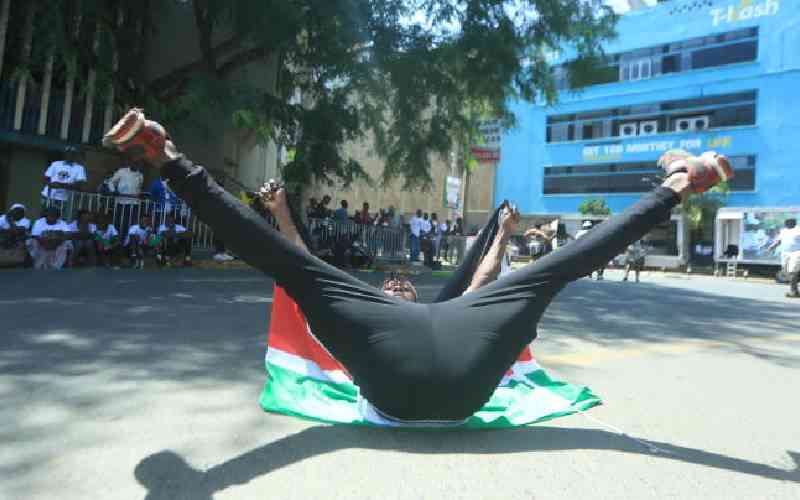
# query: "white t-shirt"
[137,230]
[178,228]
[73,227]
[790,239]
[23,223]
[129,182]
[426,226]
[65,173]
[416,225]
[41,226]
[108,233]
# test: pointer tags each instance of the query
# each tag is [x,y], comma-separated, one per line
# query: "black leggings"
[412,361]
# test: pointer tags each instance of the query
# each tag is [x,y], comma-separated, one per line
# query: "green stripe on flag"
[537,398]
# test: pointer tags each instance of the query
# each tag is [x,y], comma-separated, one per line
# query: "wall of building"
[217,145]
[479,202]
[26,171]
[775,75]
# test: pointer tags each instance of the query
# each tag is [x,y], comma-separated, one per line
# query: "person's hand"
[532,232]
[273,197]
[509,219]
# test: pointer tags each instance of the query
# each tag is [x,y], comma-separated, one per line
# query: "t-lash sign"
[743,10]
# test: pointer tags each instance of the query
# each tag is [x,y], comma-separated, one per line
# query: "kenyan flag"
[304,380]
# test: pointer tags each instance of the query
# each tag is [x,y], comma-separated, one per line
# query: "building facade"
[692,74]
[56,103]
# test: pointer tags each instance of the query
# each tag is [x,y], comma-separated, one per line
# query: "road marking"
[601,354]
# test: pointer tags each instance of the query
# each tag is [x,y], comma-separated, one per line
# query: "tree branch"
[243,58]
[204,30]
[177,75]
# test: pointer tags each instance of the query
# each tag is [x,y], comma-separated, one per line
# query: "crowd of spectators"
[320,209]
[122,231]
[436,239]
[89,240]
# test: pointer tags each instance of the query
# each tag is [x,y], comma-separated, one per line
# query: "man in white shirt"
[415,225]
[14,229]
[175,240]
[49,243]
[82,232]
[127,183]
[141,241]
[789,241]
[62,177]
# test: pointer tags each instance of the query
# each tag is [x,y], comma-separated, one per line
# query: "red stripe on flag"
[526,354]
[288,331]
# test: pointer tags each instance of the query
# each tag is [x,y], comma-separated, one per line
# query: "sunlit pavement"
[132,384]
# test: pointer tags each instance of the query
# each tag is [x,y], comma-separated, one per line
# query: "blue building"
[690,74]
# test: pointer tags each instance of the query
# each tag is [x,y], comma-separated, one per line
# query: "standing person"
[415,233]
[14,231]
[61,177]
[447,228]
[141,241]
[457,241]
[634,259]
[341,213]
[127,183]
[418,362]
[585,228]
[363,216]
[49,244]
[107,238]
[540,242]
[426,242]
[789,242]
[437,232]
[395,219]
[323,212]
[166,200]
[311,209]
[82,238]
[175,240]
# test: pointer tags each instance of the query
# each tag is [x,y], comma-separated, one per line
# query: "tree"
[594,206]
[412,76]
[701,209]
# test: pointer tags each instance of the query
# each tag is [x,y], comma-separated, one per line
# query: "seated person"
[107,238]
[141,240]
[83,243]
[14,230]
[175,240]
[49,244]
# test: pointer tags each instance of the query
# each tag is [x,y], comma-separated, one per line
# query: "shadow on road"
[167,476]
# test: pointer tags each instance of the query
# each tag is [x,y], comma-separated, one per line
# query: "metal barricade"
[380,241]
[126,211]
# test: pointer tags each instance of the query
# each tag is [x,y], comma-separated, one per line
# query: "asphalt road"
[125,385]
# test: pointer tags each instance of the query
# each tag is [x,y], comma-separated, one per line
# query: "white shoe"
[223,257]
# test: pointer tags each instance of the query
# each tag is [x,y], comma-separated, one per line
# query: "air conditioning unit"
[700,122]
[684,125]
[648,127]
[629,129]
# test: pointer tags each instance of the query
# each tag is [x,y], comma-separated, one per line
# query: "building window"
[695,53]
[634,177]
[685,115]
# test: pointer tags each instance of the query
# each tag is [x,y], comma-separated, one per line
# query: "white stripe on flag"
[304,366]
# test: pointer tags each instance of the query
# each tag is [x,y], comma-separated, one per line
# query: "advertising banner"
[452,189]
[760,230]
